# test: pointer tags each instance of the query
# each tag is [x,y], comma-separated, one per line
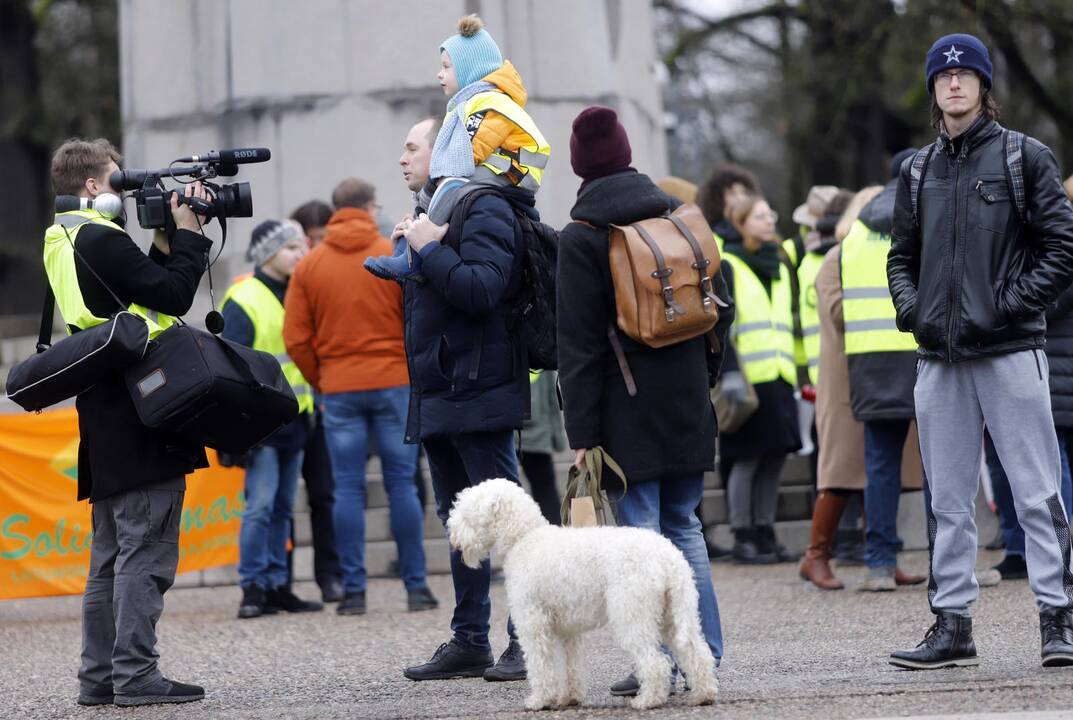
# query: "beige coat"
[841,437]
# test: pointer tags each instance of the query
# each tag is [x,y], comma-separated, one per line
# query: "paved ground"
[791,653]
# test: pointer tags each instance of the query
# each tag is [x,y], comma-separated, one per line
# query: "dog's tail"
[682,633]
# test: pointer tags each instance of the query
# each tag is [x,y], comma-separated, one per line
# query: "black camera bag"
[76,363]
[210,391]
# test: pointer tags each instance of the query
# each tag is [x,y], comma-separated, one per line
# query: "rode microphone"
[237,156]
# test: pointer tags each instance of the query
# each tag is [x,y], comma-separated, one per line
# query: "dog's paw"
[647,702]
[538,702]
[704,697]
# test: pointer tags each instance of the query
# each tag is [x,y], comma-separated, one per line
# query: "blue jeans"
[668,506]
[349,419]
[1000,485]
[457,462]
[884,441]
[271,481]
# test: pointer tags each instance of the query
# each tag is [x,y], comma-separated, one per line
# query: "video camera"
[153,199]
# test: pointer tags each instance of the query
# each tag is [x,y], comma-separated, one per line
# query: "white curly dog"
[563,582]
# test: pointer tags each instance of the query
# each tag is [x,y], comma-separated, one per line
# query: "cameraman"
[133,477]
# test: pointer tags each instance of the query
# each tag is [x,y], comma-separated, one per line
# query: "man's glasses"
[945,78]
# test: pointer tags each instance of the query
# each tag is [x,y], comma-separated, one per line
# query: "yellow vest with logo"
[867,307]
[524,168]
[60,266]
[266,313]
[763,326]
[809,312]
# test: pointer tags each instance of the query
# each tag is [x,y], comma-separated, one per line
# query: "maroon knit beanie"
[598,144]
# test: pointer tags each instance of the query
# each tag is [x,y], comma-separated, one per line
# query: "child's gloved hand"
[423,231]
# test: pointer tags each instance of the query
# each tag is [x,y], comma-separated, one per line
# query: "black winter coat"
[1060,359]
[116,452]
[668,429]
[466,371]
[881,383]
[970,281]
[773,429]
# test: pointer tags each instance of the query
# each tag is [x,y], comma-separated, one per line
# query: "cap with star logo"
[959,50]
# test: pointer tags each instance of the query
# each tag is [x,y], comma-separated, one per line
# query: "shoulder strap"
[1013,151]
[44,335]
[916,177]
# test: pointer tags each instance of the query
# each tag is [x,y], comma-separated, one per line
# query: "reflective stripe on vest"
[763,326]
[61,264]
[525,167]
[867,308]
[266,314]
[808,309]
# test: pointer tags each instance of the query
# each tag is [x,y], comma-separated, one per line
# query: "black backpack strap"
[1013,151]
[916,178]
[44,335]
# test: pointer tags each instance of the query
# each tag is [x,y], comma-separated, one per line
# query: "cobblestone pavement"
[791,652]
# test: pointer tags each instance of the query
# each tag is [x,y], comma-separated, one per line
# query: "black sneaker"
[768,544]
[96,696]
[331,591]
[746,550]
[283,599]
[716,551]
[948,643]
[1056,637]
[253,603]
[422,599]
[162,691]
[352,604]
[451,660]
[1012,567]
[511,665]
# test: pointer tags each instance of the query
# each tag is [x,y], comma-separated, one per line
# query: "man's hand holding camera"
[185,217]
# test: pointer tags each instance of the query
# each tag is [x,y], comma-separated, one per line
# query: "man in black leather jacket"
[972,282]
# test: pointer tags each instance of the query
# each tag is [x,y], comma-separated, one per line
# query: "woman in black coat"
[664,436]
[755,452]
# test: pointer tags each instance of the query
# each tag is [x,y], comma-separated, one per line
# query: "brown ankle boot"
[815,566]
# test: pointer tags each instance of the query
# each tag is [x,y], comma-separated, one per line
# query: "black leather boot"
[948,643]
[451,660]
[1056,637]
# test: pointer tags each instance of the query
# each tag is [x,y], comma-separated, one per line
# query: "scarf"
[765,262]
[452,153]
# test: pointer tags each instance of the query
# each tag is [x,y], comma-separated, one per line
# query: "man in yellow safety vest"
[253,316]
[134,477]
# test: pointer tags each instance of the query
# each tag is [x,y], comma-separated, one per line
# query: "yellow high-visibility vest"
[266,313]
[867,307]
[525,167]
[60,266]
[763,326]
[809,313]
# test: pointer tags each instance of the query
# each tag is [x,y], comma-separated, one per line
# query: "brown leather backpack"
[662,270]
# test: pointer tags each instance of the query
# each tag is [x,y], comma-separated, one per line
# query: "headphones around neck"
[109,205]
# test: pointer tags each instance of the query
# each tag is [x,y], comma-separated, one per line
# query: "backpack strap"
[663,274]
[709,299]
[1013,151]
[44,334]
[916,178]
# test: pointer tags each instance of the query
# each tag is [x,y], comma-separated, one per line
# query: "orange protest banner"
[45,535]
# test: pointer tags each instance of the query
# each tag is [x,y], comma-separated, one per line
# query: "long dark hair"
[987,100]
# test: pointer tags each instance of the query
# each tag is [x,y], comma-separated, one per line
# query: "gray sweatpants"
[1010,395]
[132,564]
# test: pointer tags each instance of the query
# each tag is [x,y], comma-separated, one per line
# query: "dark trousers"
[539,469]
[132,564]
[455,463]
[317,473]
